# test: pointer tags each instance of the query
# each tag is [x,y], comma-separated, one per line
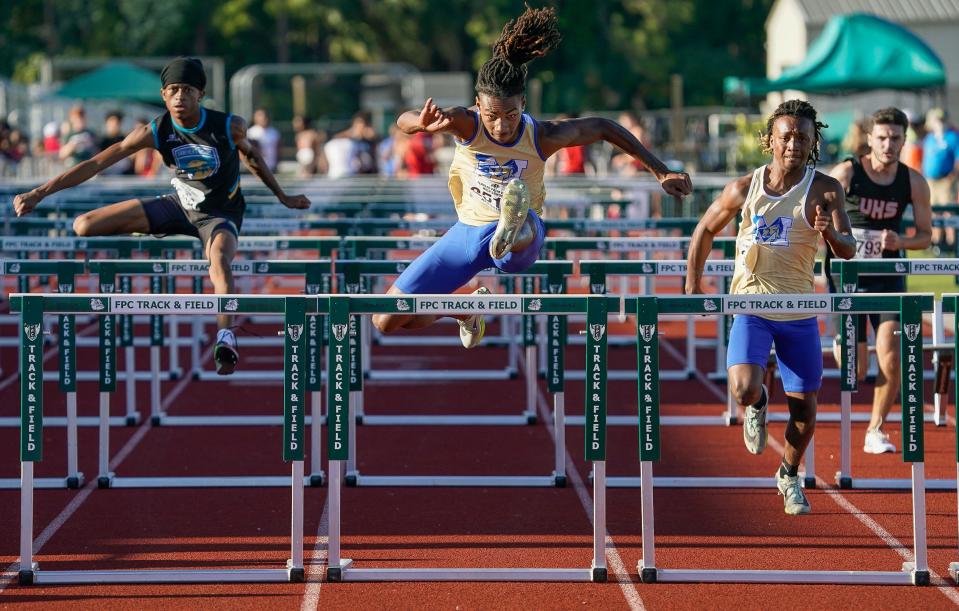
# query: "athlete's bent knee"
[83,226]
[746,394]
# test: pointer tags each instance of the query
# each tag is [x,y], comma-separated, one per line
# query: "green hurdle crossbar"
[910,308]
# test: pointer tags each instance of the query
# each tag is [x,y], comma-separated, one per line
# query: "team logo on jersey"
[488,167]
[196,161]
[775,234]
[912,331]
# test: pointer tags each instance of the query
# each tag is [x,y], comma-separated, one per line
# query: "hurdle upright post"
[294,422]
[849,373]
[68,378]
[338,419]
[647,364]
[910,313]
[107,376]
[317,282]
[555,375]
[529,343]
[31,424]
[595,429]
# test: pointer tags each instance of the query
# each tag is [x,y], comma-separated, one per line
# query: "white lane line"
[616,565]
[947,590]
[315,572]
[10,573]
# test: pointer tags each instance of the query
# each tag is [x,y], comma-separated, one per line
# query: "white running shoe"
[794,499]
[473,328]
[755,432]
[877,442]
[514,207]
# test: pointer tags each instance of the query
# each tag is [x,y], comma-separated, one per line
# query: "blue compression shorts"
[460,254]
[798,349]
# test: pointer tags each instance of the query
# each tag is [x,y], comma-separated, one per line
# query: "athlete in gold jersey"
[785,207]
[496,177]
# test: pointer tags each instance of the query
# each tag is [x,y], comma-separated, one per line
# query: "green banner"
[294,368]
[848,353]
[356,354]
[911,368]
[556,345]
[67,348]
[596,340]
[338,387]
[125,323]
[156,321]
[647,345]
[31,380]
[108,350]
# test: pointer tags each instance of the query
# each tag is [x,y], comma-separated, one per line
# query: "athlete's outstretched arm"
[431,118]
[715,219]
[253,160]
[138,139]
[578,132]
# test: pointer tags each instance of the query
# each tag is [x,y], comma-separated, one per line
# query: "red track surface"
[462,527]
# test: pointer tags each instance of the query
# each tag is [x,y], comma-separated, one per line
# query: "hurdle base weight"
[297,574]
[25,577]
[335,573]
[559,479]
[105,481]
[809,483]
[599,574]
[133,419]
[919,578]
[75,481]
[317,480]
[844,482]
[646,574]
[351,479]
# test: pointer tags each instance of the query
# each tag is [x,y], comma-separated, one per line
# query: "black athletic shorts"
[873,284]
[167,217]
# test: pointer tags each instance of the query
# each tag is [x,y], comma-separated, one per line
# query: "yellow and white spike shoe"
[473,328]
[512,216]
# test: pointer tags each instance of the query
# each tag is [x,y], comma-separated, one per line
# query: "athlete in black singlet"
[203,148]
[878,190]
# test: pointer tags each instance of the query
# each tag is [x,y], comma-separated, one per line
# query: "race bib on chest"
[488,181]
[868,243]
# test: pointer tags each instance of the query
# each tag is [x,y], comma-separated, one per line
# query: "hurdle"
[338,441]
[65,272]
[911,308]
[33,307]
[950,303]
[555,273]
[849,272]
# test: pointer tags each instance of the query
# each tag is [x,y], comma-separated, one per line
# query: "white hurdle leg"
[155,414]
[351,436]
[690,346]
[810,459]
[921,566]
[954,566]
[295,567]
[335,565]
[559,434]
[174,337]
[316,412]
[73,468]
[26,523]
[940,412]
[599,521]
[647,563]
[131,385]
[103,472]
[843,477]
[531,389]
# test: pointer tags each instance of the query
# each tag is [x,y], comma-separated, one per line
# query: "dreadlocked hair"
[793,108]
[533,34]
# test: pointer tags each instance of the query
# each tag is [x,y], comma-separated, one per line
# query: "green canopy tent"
[115,81]
[856,52]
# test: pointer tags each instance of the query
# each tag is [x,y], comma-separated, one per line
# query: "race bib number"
[489,179]
[190,197]
[868,243]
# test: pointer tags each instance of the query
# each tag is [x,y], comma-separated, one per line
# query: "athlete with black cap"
[201,146]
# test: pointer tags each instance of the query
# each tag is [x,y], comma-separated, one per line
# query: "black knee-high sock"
[787,469]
